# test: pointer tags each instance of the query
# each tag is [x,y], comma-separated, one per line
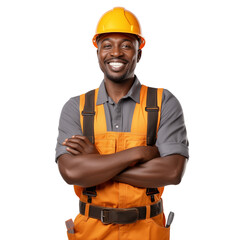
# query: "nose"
[116,51]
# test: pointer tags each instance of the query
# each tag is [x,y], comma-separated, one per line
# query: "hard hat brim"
[142,40]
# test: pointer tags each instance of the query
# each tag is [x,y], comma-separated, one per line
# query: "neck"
[118,90]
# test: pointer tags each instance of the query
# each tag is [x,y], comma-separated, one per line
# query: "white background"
[46,57]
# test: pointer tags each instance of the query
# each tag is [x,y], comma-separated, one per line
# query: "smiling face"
[118,54]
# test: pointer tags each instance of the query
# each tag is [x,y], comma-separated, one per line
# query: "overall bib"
[115,194]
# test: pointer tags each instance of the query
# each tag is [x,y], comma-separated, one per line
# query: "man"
[119,145]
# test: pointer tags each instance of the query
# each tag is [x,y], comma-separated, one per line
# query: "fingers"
[83,138]
[73,145]
[80,145]
[76,144]
[74,152]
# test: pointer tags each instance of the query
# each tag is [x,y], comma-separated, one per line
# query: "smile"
[116,66]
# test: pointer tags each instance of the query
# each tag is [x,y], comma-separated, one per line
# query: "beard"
[117,79]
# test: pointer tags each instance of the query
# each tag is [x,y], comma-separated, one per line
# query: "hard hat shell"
[119,20]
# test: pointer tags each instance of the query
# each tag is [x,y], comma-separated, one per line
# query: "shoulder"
[72,103]
[168,96]
[71,107]
[169,100]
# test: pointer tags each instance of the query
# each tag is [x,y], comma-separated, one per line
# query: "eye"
[107,46]
[126,46]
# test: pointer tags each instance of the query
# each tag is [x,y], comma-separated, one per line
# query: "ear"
[139,55]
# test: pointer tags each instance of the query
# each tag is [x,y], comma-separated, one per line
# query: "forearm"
[158,172]
[93,169]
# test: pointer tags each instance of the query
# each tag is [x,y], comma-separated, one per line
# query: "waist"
[119,195]
[120,215]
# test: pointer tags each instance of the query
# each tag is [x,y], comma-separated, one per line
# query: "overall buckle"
[105,216]
[119,216]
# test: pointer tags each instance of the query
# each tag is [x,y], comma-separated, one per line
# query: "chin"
[117,79]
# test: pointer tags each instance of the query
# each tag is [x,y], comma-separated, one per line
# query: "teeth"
[115,64]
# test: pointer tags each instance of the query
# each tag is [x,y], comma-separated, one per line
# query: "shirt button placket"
[117,117]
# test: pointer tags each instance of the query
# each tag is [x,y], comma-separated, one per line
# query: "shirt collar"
[133,93]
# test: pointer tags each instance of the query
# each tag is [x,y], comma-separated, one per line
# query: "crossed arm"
[84,166]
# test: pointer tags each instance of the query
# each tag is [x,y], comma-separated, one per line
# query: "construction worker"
[120,144]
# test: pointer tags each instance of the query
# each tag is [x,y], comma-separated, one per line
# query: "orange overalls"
[115,194]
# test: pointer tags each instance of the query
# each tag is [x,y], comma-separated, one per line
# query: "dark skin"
[118,55]
[86,167]
[122,49]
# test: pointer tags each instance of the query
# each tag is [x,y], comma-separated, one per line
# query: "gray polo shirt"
[171,137]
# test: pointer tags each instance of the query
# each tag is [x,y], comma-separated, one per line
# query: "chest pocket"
[105,146]
[134,140]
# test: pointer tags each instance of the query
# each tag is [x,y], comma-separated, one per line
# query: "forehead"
[117,37]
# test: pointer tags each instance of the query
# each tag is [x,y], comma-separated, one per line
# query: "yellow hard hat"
[119,20]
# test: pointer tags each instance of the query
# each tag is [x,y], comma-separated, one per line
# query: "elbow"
[177,179]
[66,174]
[174,178]
[71,177]
[69,173]
[68,178]
[178,173]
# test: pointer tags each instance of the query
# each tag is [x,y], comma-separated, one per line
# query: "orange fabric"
[87,210]
[71,236]
[148,209]
[121,195]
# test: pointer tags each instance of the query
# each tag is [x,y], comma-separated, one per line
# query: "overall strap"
[88,115]
[88,131]
[152,109]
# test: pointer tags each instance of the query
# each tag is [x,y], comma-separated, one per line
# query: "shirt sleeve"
[69,124]
[172,134]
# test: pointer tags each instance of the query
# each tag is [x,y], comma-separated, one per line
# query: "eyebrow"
[109,39]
